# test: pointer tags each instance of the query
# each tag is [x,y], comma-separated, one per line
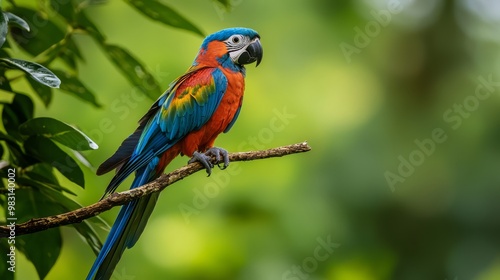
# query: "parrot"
[185,120]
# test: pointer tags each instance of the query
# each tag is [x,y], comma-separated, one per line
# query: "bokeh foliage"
[359,113]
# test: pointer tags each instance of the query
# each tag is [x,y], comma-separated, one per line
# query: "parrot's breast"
[203,139]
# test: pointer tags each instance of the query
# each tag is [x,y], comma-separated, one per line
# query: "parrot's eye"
[235,41]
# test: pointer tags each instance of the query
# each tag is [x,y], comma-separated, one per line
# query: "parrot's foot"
[205,158]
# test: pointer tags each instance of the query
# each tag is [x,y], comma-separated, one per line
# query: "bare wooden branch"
[115,199]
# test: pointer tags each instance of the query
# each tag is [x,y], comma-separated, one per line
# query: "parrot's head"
[231,48]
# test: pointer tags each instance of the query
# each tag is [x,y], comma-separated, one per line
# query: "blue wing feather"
[175,115]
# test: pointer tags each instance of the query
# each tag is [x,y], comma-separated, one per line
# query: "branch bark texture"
[165,180]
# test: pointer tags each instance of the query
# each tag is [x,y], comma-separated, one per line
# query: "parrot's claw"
[218,153]
[205,158]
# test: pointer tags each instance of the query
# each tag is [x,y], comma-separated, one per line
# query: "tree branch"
[165,180]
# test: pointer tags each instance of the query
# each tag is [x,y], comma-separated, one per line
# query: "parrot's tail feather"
[127,228]
[131,220]
[124,234]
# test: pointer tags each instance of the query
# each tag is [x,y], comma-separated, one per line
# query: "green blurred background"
[362,93]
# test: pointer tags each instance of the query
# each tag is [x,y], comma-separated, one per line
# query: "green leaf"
[69,59]
[16,155]
[72,47]
[158,11]
[7,138]
[58,131]
[73,86]
[90,236]
[28,181]
[3,28]
[66,9]
[84,229]
[62,203]
[46,151]
[41,248]
[12,18]
[86,24]
[44,33]
[41,175]
[42,172]
[135,72]
[4,82]
[5,45]
[70,53]
[16,113]
[65,49]
[83,160]
[45,93]
[35,70]
[224,3]
[95,2]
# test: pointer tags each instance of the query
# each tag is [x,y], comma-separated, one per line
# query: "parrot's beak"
[251,53]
